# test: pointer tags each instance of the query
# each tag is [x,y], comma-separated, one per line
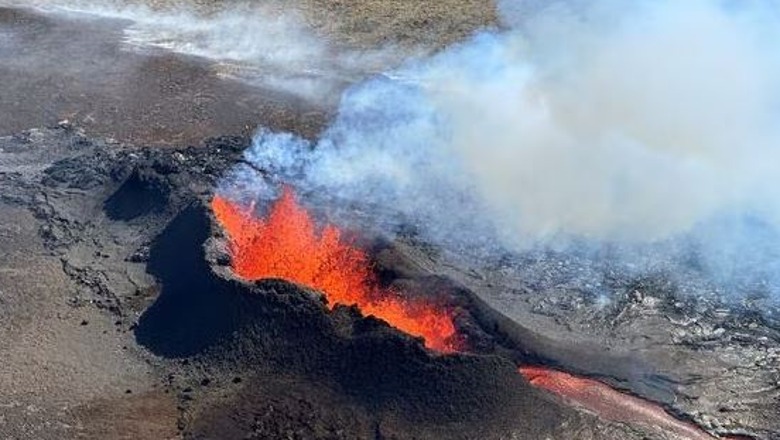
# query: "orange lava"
[610,404]
[288,245]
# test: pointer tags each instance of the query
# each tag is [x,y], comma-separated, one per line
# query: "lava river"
[287,244]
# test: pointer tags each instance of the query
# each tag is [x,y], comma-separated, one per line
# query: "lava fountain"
[288,245]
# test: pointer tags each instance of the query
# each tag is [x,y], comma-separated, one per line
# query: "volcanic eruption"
[288,245]
[436,147]
[538,226]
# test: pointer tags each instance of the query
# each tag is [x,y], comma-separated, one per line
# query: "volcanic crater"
[143,297]
[236,358]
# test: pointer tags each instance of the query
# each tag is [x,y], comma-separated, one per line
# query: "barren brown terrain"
[120,317]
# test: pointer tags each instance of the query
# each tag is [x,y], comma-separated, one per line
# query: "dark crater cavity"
[192,311]
[143,192]
[259,332]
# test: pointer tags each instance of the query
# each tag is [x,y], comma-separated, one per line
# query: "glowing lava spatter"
[288,245]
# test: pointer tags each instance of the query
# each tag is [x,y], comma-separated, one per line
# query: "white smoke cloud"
[266,44]
[601,121]
[634,123]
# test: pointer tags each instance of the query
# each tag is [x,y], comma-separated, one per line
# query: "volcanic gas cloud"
[288,245]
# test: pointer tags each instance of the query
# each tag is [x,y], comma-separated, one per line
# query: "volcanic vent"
[276,344]
[287,245]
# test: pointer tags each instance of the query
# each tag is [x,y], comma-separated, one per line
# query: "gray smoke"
[649,126]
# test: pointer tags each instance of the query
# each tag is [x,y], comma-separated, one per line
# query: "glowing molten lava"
[608,403]
[288,245]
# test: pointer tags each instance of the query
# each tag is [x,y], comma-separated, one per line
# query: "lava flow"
[599,398]
[287,245]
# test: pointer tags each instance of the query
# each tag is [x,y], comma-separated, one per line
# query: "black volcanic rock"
[231,328]
[141,193]
[135,237]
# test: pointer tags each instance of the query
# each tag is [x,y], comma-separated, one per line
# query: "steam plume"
[603,123]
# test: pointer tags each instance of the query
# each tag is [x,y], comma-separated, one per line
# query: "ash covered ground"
[120,317]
